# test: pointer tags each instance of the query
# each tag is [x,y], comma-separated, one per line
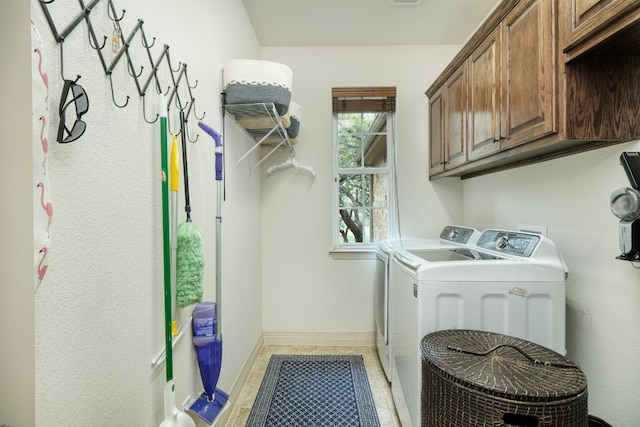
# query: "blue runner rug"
[314,391]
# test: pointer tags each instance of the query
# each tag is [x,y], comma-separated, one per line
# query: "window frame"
[362,100]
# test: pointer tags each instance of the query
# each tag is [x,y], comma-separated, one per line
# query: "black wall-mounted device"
[625,204]
[630,161]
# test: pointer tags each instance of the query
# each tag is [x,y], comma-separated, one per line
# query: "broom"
[189,256]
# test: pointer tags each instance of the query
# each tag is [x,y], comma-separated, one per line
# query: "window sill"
[368,252]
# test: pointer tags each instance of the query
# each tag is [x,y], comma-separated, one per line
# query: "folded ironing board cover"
[260,126]
[251,122]
[250,81]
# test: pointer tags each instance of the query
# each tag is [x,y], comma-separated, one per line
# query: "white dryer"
[451,236]
[508,282]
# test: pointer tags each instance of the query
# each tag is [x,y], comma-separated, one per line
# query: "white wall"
[99,312]
[301,280]
[571,197]
[17,360]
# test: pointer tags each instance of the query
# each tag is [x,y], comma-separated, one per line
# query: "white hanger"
[291,162]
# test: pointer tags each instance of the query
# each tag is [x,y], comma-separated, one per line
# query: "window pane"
[349,151]
[380,229]
[380,190]
[354,190]
[355,226]
[363,225]
[375,150]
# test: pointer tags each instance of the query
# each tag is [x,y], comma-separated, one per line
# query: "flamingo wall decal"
[43,75]
[48,207]
[42,269]
[45,145]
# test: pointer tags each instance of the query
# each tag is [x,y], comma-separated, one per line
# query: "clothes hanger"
[291,162]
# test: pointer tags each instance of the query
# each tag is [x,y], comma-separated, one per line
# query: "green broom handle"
[166,242]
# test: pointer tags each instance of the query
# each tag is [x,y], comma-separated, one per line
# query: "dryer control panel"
[509,242]
[456,234]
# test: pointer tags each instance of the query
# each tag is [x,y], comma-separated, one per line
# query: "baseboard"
[320,338]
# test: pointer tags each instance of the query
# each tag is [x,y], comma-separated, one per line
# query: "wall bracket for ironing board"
[271,133]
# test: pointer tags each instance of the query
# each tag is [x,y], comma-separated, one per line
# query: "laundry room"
[84,322]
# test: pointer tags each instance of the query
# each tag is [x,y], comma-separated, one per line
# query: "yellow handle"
[173,167]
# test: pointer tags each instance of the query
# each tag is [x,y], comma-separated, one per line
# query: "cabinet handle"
[498,139]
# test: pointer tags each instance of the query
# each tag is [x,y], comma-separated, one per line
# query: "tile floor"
[379,385]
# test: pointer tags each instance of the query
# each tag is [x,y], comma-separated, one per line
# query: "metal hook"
[178,103]
[193,106]
[47,2]
[144,112]
[194,86]
[148,46]
[104,42]
[186,128]
[132,72]
[169,125]
[112,8]
[113,98]
[176,70]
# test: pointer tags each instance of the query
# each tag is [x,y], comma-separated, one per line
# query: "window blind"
[364,99]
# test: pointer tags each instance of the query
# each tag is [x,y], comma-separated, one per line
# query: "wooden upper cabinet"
[594,22]
[585,10]
[436,133]
[528,73]
[540,79]
[455,101]
[485,97]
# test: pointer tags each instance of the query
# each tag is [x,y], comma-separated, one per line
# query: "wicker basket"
[475,378]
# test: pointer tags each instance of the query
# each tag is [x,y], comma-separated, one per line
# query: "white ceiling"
[365,22]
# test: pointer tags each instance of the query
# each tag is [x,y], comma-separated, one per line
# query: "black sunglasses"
[81,101]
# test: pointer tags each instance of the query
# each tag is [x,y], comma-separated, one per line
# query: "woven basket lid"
[502,365]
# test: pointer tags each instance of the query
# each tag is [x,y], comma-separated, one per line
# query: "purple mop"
[206,320]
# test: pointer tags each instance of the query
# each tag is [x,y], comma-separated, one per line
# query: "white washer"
[509,282]
[451,236]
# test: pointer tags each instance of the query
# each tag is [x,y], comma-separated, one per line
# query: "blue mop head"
[189,264]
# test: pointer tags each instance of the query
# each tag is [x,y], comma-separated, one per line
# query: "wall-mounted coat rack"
[178,75]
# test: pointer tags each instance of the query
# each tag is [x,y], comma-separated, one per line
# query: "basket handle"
[534,361]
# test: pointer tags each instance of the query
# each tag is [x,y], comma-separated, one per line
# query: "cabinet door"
[455,98]
[584,10]
[436,133]
[528,74]
[484,98]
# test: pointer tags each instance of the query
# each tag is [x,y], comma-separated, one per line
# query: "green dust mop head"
[189,257]
[189,264]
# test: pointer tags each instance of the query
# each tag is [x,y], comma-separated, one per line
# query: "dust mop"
[207,320]
[189,259]
[172,416]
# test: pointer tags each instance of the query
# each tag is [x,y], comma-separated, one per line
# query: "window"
[364,160]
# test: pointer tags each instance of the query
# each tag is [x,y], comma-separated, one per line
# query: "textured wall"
[99,314]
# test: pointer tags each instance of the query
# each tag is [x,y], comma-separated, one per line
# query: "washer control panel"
[453,233]
[509,242]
